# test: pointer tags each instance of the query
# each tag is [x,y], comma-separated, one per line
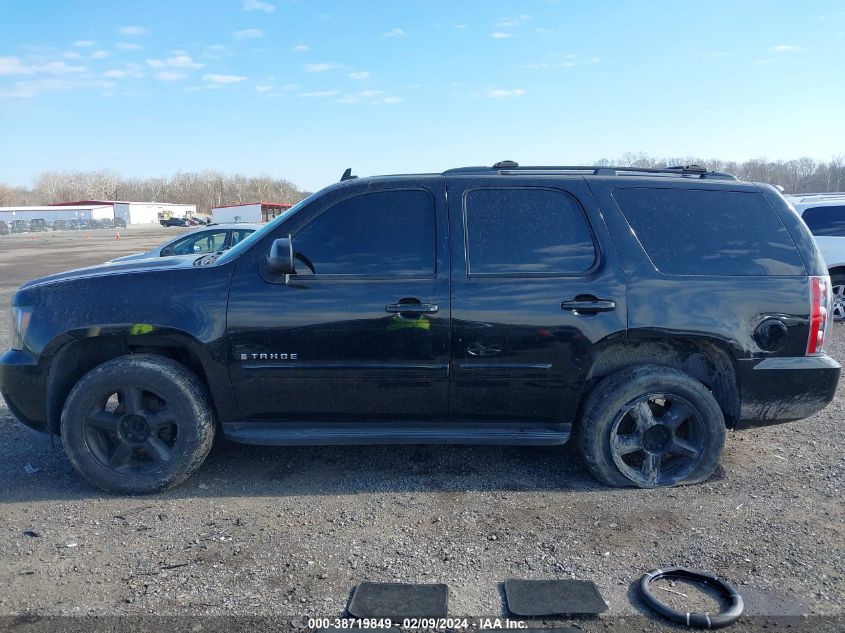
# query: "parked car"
[75,225]
[640,311]
[60,225]
[4,228]
[37,225]
[175,222]
[93,224]
[119,223]
[106,223]
[19,226]
[824,214]
[199,241]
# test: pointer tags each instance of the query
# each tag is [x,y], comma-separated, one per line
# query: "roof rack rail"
[511,167]
[833,195]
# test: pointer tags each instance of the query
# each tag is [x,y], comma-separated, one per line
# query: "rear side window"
[526,232]
[699,232]
[826,221]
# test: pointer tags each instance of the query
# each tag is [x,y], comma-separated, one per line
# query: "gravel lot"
[281,532]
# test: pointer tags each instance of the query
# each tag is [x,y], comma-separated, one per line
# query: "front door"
[361,330]
[534,294]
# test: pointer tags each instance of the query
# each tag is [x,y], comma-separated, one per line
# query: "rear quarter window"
[826,221]
[704,232]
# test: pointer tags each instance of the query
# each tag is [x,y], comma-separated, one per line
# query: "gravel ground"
[286,532]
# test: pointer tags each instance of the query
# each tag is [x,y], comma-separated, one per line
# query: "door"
[534,289]
[361,330]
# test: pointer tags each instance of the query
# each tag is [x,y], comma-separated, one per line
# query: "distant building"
[65,212]
[252,212]
[139,212]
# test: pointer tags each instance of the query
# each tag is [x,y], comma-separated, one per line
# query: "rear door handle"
[412,308]
[588,305]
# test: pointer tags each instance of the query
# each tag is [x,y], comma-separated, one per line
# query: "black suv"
[639,311]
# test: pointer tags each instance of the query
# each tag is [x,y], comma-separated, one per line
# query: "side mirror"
[280,259]
[167,251]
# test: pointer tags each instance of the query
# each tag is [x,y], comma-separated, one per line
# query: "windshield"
[247,243]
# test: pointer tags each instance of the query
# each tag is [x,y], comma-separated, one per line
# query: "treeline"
[209,189]
[802,175]
[205,189]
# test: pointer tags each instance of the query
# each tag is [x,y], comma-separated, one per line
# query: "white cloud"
[100,54]
[223,79]
[300,48]
[133,30]
[460,27]
[257,5]
[60,68]
[34,87]
[784,48]
[84,43]
[499,35]
[248,34]
[397,32]
[133,70]
[392,100]
[14,66]
[127,46]
[263,88]
[290,87]
[362,75]
[176,61]
[170,75]
[513,21]
[320,93]
[763,62]
[318,68]
[496,93]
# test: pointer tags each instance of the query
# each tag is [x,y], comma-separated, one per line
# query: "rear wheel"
[838,291]
[137,424]
[651,426]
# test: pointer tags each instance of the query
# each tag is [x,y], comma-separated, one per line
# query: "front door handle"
[412,308]
[588,305]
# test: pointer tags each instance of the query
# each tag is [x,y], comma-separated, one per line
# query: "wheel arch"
[705,360]
[80,352]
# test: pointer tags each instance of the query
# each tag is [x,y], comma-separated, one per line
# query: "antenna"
[347,175]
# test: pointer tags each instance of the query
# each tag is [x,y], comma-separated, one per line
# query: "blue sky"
[303,89]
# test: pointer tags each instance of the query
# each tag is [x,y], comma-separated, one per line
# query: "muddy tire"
[137,424]
[650,426]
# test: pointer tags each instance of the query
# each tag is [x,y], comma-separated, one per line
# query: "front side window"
[524,231]
[383,233]
[206,242]
[239,234]
[826,221]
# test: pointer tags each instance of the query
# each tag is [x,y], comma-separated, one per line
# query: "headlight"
[21,316]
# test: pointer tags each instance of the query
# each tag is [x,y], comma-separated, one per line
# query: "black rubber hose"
[697,620]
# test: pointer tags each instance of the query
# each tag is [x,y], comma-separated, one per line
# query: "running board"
[328,433]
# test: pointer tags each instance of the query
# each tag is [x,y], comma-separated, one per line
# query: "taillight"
[820,304]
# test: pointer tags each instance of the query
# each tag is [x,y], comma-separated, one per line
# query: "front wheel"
[137,424]
[651,426]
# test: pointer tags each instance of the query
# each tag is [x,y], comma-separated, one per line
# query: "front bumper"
[784,389]
[22,383]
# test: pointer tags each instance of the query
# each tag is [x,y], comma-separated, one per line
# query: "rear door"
[535,286]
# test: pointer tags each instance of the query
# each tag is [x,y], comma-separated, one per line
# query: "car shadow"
[30,472]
